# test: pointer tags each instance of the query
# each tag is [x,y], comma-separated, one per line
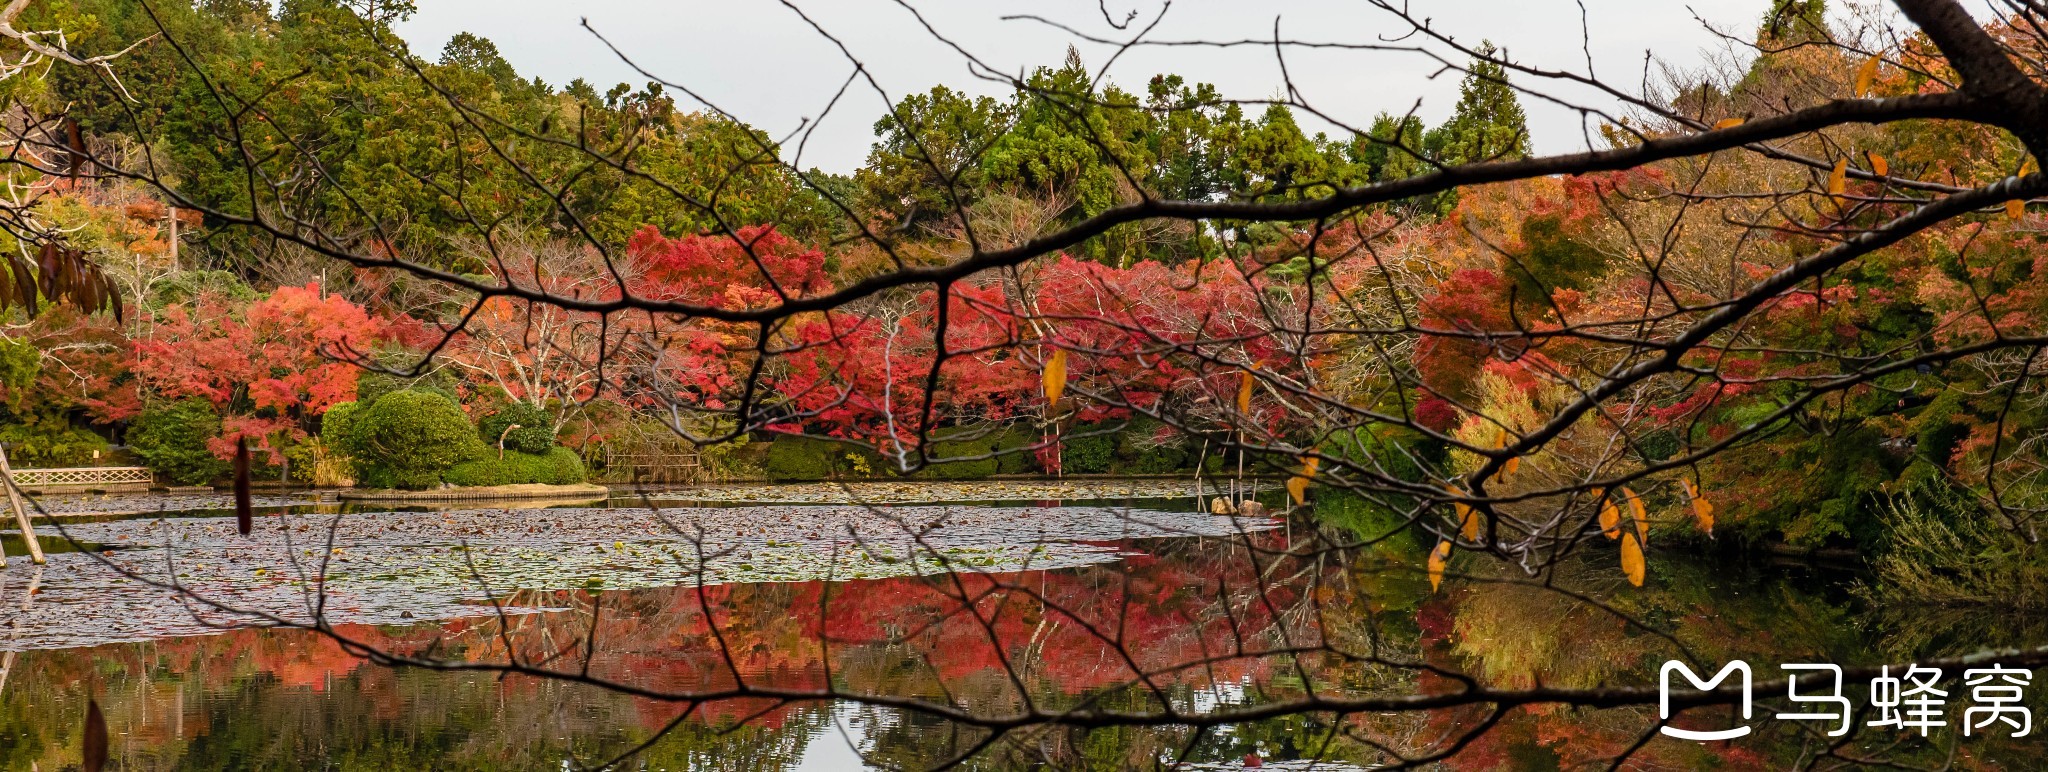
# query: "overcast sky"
[761,61]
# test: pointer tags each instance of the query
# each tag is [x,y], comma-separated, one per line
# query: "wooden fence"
[654,465]
[83,478]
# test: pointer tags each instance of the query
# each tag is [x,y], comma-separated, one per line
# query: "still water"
[992,607]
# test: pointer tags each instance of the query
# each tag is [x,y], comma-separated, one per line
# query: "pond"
[1089,598]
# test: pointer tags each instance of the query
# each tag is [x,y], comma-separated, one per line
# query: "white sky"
[759,60]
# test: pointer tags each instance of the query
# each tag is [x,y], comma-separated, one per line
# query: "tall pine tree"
[1488,124]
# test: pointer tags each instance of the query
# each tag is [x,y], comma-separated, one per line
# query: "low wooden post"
[28,531]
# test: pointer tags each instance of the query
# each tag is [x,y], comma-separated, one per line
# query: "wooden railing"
[83,477]
[654,466]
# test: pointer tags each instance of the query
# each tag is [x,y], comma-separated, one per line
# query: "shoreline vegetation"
[568,492]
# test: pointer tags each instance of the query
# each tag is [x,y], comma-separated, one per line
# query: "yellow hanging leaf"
[1727,123]
[1468,518]
[1702,510]
[1244,392]
[1437,558]
[1508,467]
[1877,165]
[1610,519]
[1632,559]
[1055,376]
[2015,209]
[1639,514]
[1297,486]
[1838,180]
[1864,76]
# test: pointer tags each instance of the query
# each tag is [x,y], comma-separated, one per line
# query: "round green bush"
[371,384]
[792,458]
[1014,451]
[536,432]
[960,444]
[172,438]
[1149,446]
[406,439]
[479,472]
[1092,454]
[564,467]
[558,466]
[337,426]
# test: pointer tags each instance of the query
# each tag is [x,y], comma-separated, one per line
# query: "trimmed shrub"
[172,437]
[558,466]
[1148,446]
[809,459]
[480,472]
[1014,449]
[406,439]
[372,385]
[536,432]
[1139,451]
[337,426]
[972,442]
[1092,454]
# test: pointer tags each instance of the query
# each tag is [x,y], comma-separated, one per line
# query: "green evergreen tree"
[1489,124]
[1794,21]
[928,157]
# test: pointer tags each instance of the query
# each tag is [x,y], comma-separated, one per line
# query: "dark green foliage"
[1835,499]
[20,362]
[337,426]
[1488,124]
[1015,451]
[960,443]
[1553,261]
[1390,450]
[172,438]
[928,151]
[1794,21]
[1657,444]
[371,385]
[1941,427]
[1139,450]
[1091,451]
[536,432]
[1389,150]
[406,439]
[186,286]
[50,441]
[1389,531]
[809,459]
[555,466]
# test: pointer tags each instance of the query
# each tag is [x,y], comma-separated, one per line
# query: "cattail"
[242,485]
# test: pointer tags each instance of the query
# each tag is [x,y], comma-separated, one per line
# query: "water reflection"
[1180,623]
